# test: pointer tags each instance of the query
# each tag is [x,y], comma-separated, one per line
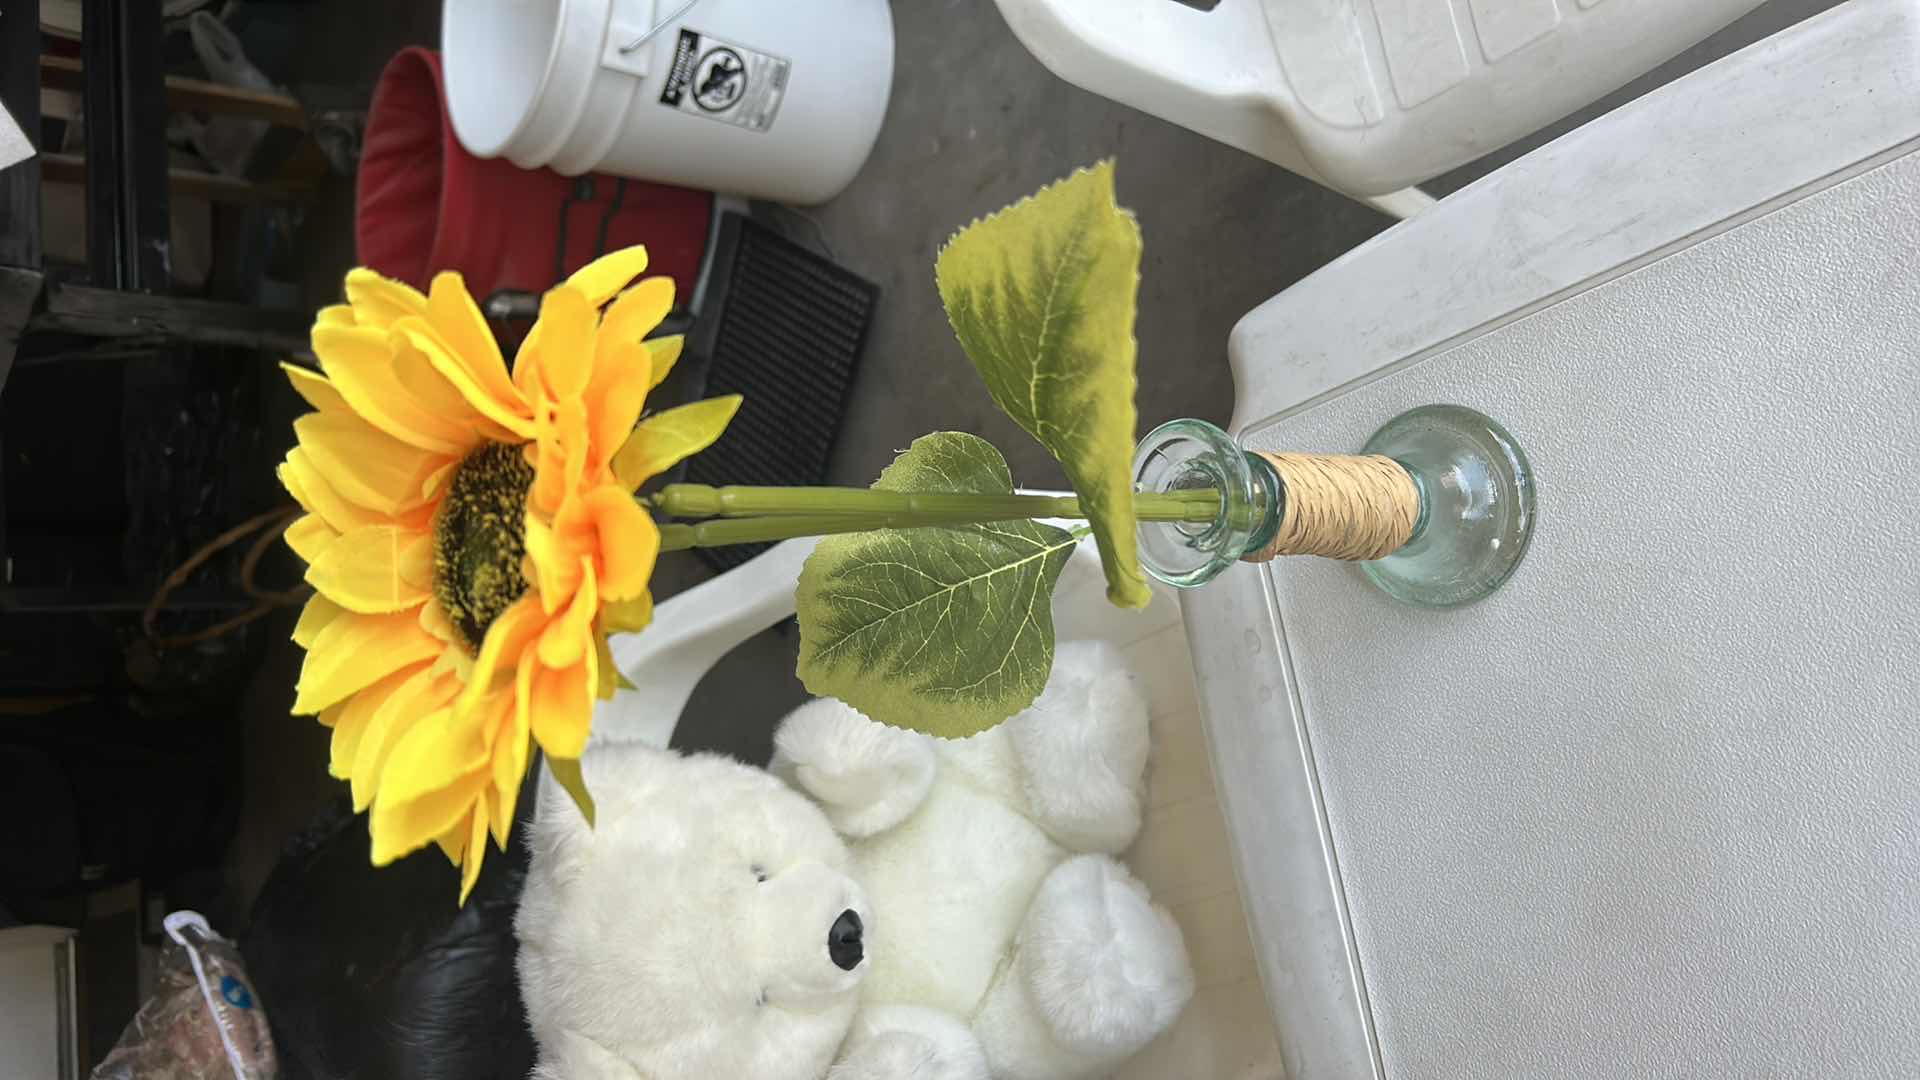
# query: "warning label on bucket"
[725,81]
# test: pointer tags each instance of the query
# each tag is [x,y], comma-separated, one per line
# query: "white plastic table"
[1652,810]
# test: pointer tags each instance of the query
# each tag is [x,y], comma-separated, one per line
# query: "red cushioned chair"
[425,205]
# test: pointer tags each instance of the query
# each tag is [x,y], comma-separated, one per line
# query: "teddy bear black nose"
[843,941]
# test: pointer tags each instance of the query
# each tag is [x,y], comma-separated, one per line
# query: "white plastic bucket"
[774,99]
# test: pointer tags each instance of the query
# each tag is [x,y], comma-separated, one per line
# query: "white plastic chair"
[690,633]
[1368,98]
[1181,853]
[694,629]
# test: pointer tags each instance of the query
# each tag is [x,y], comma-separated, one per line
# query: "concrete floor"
[974,123]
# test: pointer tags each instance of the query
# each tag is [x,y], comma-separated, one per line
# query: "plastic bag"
[202,1021]
[225,142]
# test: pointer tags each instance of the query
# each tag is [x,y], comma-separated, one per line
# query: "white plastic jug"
[766,98]
[1366,96]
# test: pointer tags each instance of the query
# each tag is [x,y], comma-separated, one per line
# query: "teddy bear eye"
[759,872]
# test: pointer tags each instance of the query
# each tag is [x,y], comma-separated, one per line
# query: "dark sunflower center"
[480,538]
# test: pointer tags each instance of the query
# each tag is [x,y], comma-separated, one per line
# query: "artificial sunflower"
[473,536]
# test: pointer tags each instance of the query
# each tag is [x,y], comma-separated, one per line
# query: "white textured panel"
[1506,26]
[1322,50]
[1425,56]
[1654,809]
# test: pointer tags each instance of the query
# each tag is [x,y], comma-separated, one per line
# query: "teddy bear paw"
[868,777]
[1106,968]
[1083,750]
[903,1042]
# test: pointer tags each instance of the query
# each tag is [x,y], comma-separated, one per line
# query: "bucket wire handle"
[657,27]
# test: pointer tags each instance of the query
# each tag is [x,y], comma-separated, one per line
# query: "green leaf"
[664,439]
[1042,297]
[946,631]
[567,772]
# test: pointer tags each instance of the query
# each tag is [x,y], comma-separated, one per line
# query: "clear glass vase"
[1438,508]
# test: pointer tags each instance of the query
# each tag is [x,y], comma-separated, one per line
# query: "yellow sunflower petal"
[416,562]
[304,481]
[608,274]
[565,353]
[310,537]
[336,315]
[314,618]
[315,388]
[455,661]
[347,730]
[510,752]
[562,707]
[627,616]
[453,842]
[380,301]
[555,572]
[565,639]
[407,826]
[355,651]
[476,850]
[433,619]
[458,322]
[614,358]
[432,776]
[665,439]
[437,480]
[665,352]
[559,452]
[375,569]
[512,631]
[424,694]
[350,727]
[295,485]
[639,310]
[523,690]
[371,469]
[615,400]
[482,381]
[526,369]
[508,781]
[560,459]
[359,361]
[415,371]
[497,819]
[629,542]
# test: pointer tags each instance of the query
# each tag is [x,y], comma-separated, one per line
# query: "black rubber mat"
[784,328]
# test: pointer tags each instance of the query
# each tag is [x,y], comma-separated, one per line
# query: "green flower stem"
[915,511]
[723,531]
[908,509]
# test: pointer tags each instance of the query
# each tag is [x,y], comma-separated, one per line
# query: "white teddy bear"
[972,924]
[700,928]
[1022,948]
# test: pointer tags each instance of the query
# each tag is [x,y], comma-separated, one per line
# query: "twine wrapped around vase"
[1342,506]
